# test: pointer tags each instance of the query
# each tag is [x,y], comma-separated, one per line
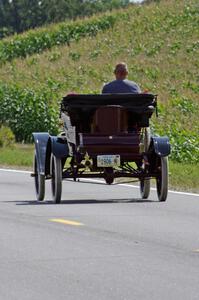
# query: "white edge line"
[15,171]
[137,187]
[100,181]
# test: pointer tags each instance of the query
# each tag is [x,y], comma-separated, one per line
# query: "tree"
[20,15]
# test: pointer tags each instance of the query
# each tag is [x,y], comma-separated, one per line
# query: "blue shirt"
[121,87]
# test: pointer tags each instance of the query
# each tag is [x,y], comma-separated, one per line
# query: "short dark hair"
[121,67]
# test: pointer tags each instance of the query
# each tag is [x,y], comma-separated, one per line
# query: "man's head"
[121,71]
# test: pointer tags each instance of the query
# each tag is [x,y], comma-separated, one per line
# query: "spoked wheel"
[39,181]
[162,179]
[144,188]
[56,180]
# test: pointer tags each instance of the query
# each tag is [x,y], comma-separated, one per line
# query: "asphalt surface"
[119,247]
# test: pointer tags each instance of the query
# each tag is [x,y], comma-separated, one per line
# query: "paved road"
[117,248]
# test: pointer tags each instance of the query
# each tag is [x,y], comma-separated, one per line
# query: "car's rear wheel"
[109,175]
[162,178]
[56,178]
[144,188]
[39,181]
[109,180]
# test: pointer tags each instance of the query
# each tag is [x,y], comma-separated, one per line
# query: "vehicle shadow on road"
[100,181]
[82,201]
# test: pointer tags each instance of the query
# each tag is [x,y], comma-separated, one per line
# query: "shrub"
[26,111]
[7,137]
[184,145]
[45,38]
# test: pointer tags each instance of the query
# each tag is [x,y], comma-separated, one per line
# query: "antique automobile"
[104,136]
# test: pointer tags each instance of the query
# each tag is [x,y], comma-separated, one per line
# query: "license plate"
[106,161]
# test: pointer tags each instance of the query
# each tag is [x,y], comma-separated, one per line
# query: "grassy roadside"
[19,156]
[183,177]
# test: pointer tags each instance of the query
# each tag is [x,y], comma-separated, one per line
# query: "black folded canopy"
[81,108]
[137,103]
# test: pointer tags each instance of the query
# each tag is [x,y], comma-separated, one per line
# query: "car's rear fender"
[161,146]
[59,147]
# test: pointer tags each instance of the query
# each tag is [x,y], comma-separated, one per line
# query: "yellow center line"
[66,222]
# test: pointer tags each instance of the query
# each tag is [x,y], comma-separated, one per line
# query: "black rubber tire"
[109,176]
[109,180]
[56,180]
[145,188]
[162,179]
[39,181]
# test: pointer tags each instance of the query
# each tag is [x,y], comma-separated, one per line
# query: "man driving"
[121,85]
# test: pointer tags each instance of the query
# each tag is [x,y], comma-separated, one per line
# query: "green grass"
[183,177]
[19,156]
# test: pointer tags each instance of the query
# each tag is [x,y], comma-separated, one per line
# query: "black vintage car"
[104,136]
